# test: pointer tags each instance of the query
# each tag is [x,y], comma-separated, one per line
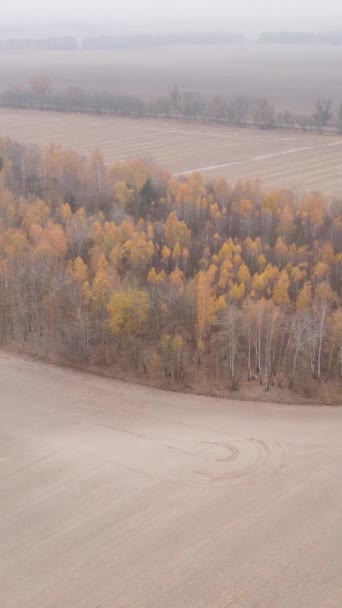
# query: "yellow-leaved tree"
[128,312]
[128,315]
[207,307]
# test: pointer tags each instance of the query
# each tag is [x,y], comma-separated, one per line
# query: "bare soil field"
[289,76]
[291,159]
[119,496]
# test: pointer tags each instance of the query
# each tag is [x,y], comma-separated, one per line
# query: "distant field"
[289,76]
[301,161]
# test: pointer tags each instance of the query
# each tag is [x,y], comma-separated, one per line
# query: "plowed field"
[114,495]
[301,161]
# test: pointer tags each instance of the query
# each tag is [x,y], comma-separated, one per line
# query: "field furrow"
[289,159]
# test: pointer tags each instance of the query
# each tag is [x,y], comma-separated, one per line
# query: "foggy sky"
[226,14]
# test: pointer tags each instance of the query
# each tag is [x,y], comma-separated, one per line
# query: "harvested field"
[115,495]
[301,161]
[289,76]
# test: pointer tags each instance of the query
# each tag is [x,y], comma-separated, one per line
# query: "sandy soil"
[296,160]
[118,496]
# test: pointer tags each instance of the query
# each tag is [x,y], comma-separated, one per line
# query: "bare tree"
[301,328]
[263,113]
[238,110]
[229,335]
[323,111]
[41,87]
[339,119]
[321,310]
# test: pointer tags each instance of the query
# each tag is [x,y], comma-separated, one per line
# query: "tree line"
[59,43]
[236,110]
[177,278]
[156,40]
[70,43]
[333,38]
[111,42]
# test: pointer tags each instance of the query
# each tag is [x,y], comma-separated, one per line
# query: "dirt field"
[119,496]
[302,161]
[289,76]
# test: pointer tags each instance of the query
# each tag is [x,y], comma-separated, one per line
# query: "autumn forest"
[174,278]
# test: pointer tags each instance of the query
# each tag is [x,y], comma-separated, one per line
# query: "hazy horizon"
[152,15]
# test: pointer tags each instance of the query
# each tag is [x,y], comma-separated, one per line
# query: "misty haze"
[170,304]
[162,14]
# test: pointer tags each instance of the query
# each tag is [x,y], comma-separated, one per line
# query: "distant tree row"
[237,110]
[110,42]
[302,38]
[143,40]
[66,43]
[178,278]
[69,43]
